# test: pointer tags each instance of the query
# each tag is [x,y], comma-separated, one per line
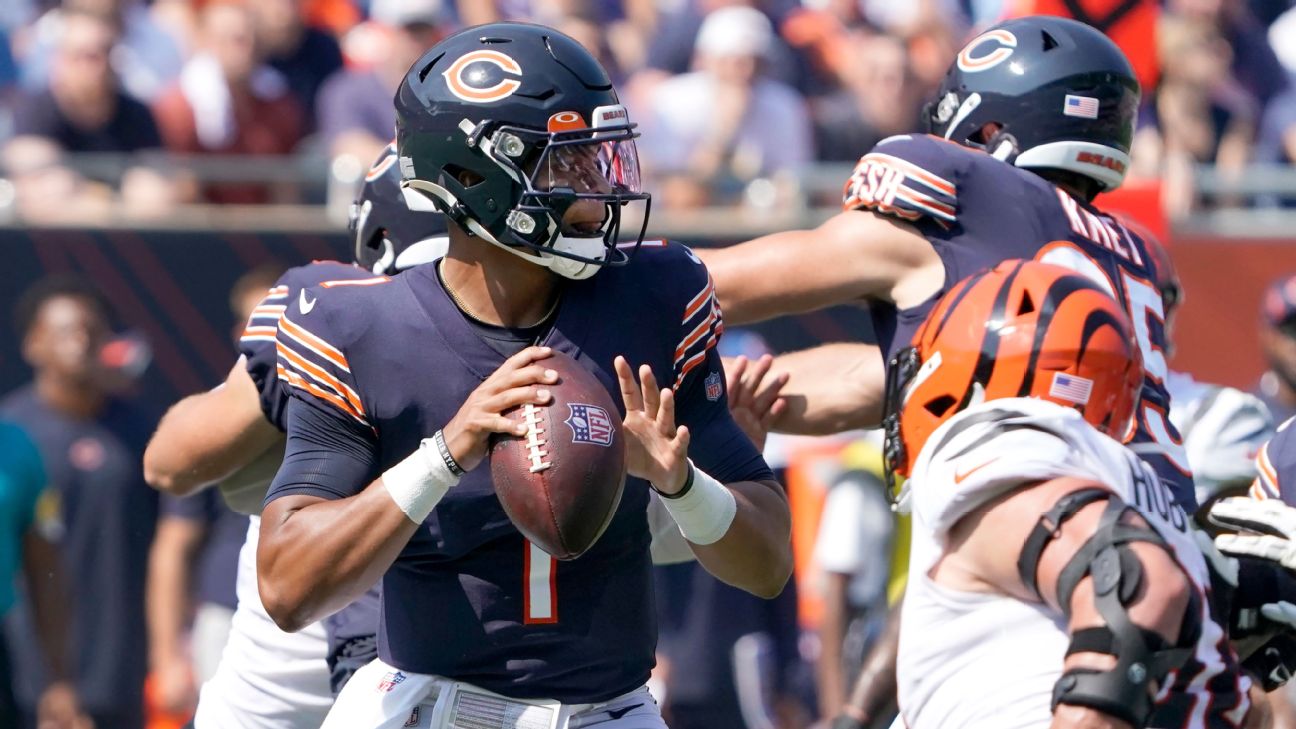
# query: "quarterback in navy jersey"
[1034,118]
[268,679]
[398,384]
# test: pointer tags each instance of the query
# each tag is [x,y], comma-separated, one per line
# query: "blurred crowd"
[735,98]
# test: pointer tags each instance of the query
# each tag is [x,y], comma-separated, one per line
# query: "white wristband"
[705,513]
[417,483]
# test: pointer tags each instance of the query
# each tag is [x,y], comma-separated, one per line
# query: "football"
[560,483]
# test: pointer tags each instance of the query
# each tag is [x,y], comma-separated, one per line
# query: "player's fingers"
[1265,547]
[527,356]
[528,375]
[516,396]
[666,413]
[652,398]
[630,395]
[769,394]
[682,439]
[501,424]
[759,369]
[775,410]
[734,370]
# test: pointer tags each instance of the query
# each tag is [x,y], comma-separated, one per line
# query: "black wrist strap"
[439,438]
[688,486]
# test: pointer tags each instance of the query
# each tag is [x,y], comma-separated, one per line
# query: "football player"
[1222,427]
[398,384]
[1033,120]
[1054,580]
[269,679]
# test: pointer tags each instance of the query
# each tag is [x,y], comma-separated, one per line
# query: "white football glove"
[1272,536]
[1266,529]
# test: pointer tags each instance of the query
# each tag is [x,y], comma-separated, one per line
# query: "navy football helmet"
[486,118]
[388,236]
[1064,95]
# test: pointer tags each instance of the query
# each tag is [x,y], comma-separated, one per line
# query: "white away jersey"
[987,660]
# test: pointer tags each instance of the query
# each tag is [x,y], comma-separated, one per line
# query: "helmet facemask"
[544,174]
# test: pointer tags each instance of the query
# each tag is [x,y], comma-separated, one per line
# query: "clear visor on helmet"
[590,165]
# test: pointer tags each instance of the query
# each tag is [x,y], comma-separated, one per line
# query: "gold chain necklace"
[473,314]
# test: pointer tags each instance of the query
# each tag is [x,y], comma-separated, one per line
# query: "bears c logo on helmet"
[999,43]
[483,76]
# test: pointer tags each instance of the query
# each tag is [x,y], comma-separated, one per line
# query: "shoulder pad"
[911,177]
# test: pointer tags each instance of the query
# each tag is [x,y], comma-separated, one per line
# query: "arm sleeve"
[910,177]
[718,446]
[30,472]
[327,455]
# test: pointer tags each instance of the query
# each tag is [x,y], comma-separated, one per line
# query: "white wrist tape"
[417,483]
[705,513]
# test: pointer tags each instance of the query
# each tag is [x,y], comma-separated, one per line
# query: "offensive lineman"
[269,679]
[1034,119]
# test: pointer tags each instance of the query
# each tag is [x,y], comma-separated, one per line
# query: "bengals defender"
[1053,580]
[269,679]
[515,133]
[1033,119]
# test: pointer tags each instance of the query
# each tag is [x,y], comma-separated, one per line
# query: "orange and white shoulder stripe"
[1266,484]
[703,323]
[914,172]
[309,363]
[264,320]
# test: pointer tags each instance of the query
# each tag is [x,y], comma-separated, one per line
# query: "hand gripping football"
[560,483]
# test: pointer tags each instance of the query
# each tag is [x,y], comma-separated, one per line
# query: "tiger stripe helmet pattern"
[1021,329]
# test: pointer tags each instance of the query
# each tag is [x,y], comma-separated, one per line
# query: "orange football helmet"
[1021,329]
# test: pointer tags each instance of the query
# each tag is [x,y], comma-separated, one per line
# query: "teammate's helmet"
[388,236]
[1022,329]
[485,118]
[1064,94]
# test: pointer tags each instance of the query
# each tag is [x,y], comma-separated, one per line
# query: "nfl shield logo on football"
[714,386]
[590,424]
[389,681]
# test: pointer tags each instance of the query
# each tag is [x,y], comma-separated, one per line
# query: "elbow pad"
[1143,658]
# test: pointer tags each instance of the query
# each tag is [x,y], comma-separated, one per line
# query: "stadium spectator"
[228,102]
[1198,113]
[878,98]
[147,56]
[83,109]
[304,54]
[1277,386]
[1252,62]
[100,513]
[672,48]
[355,110]
[701,158]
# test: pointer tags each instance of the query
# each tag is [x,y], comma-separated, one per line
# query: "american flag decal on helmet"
[1071,388]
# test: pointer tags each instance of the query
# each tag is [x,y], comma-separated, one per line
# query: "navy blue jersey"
[257,343]
[977,211]
[377,365]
